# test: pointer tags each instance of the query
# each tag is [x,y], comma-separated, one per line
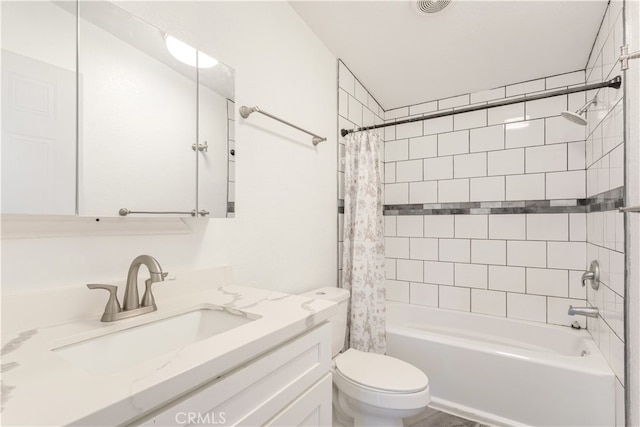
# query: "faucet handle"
[589,275]
[592,275]
[147,298]
[113,305]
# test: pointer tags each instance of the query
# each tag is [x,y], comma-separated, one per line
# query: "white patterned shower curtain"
[363,250]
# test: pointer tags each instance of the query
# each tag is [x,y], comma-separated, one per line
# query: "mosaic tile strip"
[488,208]
[609,200]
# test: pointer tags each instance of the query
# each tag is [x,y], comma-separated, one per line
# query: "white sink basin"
[118,350]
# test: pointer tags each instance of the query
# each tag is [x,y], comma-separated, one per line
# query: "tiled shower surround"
[482,215]
[356,107]
[500,211]
[502,230]
[605,172]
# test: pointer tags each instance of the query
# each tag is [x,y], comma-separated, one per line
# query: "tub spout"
[584,311]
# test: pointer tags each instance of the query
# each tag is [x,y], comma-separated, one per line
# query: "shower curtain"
[363,247]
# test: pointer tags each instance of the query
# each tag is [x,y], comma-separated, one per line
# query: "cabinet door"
[312,409]
[254,393]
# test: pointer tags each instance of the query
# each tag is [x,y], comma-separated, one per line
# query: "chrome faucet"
[132,304]
[584,311]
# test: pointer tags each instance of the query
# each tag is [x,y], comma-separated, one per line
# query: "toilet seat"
[381,381]
[379,372]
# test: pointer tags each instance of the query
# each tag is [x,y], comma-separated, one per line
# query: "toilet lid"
[381,372]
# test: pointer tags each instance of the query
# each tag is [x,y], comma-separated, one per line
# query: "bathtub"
[504,372]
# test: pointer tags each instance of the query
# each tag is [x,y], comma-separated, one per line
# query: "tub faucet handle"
[588,275]
[593,275]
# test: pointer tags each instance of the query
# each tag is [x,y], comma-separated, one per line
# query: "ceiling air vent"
[430,7]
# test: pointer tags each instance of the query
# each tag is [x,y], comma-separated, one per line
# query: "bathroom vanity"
[212,354]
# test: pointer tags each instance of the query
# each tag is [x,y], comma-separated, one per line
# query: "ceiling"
[404,58]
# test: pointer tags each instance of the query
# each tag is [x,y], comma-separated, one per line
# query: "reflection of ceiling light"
[187,54]
[517,122]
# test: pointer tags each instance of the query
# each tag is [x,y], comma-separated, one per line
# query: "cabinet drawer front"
[312,409]
[254,392]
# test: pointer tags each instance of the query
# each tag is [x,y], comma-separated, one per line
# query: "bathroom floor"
[433,418]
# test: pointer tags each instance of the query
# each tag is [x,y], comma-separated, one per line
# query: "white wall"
[284,233]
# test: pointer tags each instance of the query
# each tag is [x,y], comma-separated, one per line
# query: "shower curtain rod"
[613,83]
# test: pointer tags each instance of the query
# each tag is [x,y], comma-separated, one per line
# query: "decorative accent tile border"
[609,200]
[487,208]
[231,207]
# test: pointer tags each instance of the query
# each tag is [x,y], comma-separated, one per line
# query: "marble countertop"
[39,387]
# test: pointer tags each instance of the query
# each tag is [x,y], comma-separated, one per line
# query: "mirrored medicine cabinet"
[105,115]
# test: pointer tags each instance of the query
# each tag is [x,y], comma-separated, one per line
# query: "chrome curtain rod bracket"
[625,56]
[614,83]
[630,209]
[125,212]
[245,112]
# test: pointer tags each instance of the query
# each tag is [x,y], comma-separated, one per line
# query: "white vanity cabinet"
[289,385]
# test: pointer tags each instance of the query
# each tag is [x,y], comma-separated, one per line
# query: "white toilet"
[370,389]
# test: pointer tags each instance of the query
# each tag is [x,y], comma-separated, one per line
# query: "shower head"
[577,116]
[574,118]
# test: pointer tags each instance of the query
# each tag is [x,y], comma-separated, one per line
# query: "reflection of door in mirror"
[38,109]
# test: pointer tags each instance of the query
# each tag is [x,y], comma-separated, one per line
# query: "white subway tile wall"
[357,107]
[604,171]
[489,302]
[423,192]
[487,189]
[507,227]
[506,162]
[525,133]
[533,254]
[523,266]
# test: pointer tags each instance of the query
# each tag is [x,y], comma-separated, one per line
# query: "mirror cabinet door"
[38,108]
[138,117]
[216,134]
[103,112]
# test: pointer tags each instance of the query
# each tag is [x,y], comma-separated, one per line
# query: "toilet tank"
[339,320]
